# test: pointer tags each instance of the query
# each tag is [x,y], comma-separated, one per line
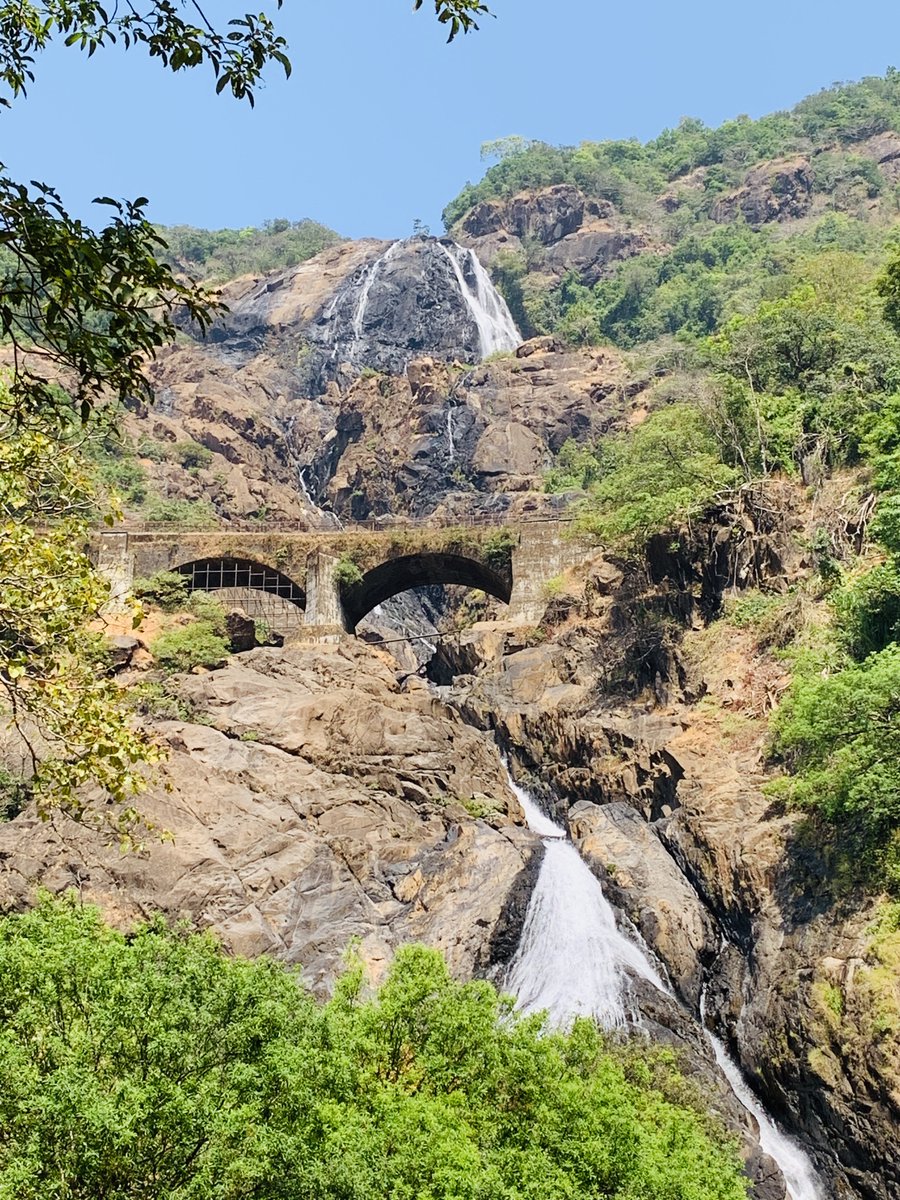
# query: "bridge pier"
[542,553]
[324,616]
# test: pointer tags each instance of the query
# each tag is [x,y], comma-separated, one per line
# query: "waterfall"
[365,283]
[799,1174]
[451,449]
[572,959]
[496,328]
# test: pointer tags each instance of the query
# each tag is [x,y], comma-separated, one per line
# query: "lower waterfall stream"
[573,960]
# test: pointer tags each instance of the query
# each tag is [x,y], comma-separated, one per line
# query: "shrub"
[15,792]
[207,608]
[192,455]
[159,700]
[653,479]
[190,646]
[498,547]
[157,452]
[867,610]
[346,573]
[150,1064]
[186,514]
[167,590]
[127,477]
[839,736]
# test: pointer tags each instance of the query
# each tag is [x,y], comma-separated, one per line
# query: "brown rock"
[321,805]
[241,631]
[778,190]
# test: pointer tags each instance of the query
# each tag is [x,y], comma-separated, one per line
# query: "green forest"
[150,1066]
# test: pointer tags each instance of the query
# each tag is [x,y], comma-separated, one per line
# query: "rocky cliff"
[319,794]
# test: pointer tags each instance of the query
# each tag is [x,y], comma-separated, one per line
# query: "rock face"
[884,149]
[421,434]
[373,307]
[575,232]
[434,437]
[322,802]
[421,296]
[774,191]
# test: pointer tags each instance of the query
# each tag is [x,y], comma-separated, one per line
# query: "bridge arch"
[263,592]
[397,575]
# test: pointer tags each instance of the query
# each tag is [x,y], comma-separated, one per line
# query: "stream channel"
[574,961]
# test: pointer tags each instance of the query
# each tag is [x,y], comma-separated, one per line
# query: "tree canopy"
[149,1066]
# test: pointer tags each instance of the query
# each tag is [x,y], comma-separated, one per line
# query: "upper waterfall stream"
[573,961]
[496,328]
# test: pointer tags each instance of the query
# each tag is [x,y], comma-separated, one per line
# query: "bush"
[185,514]
[192,455]
[207,608]
[157,452]
[160,700]
[867,610]
[146,1065]
[839,736]
[498,548]
[126,477]
[346,573]
[167,590]
[15,792]
[190,646]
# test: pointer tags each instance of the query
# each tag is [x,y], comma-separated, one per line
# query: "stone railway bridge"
[317,584]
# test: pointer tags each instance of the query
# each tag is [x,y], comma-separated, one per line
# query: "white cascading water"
[493,320]
[573,961]
[798,1171]
[451,448]
[357,322]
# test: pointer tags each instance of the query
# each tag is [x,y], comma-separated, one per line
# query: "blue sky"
[382,122]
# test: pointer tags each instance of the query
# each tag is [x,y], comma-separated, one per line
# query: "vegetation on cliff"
[214,255]
[629,173]
[724,214]
[150,1065]
[776,352]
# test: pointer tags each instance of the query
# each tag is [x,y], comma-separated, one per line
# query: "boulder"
[241,631]
[122,649]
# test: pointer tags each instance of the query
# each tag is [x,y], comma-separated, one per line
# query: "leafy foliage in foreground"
[151,1067]
[54,685]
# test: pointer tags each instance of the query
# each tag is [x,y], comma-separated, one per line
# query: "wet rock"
[416,297]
